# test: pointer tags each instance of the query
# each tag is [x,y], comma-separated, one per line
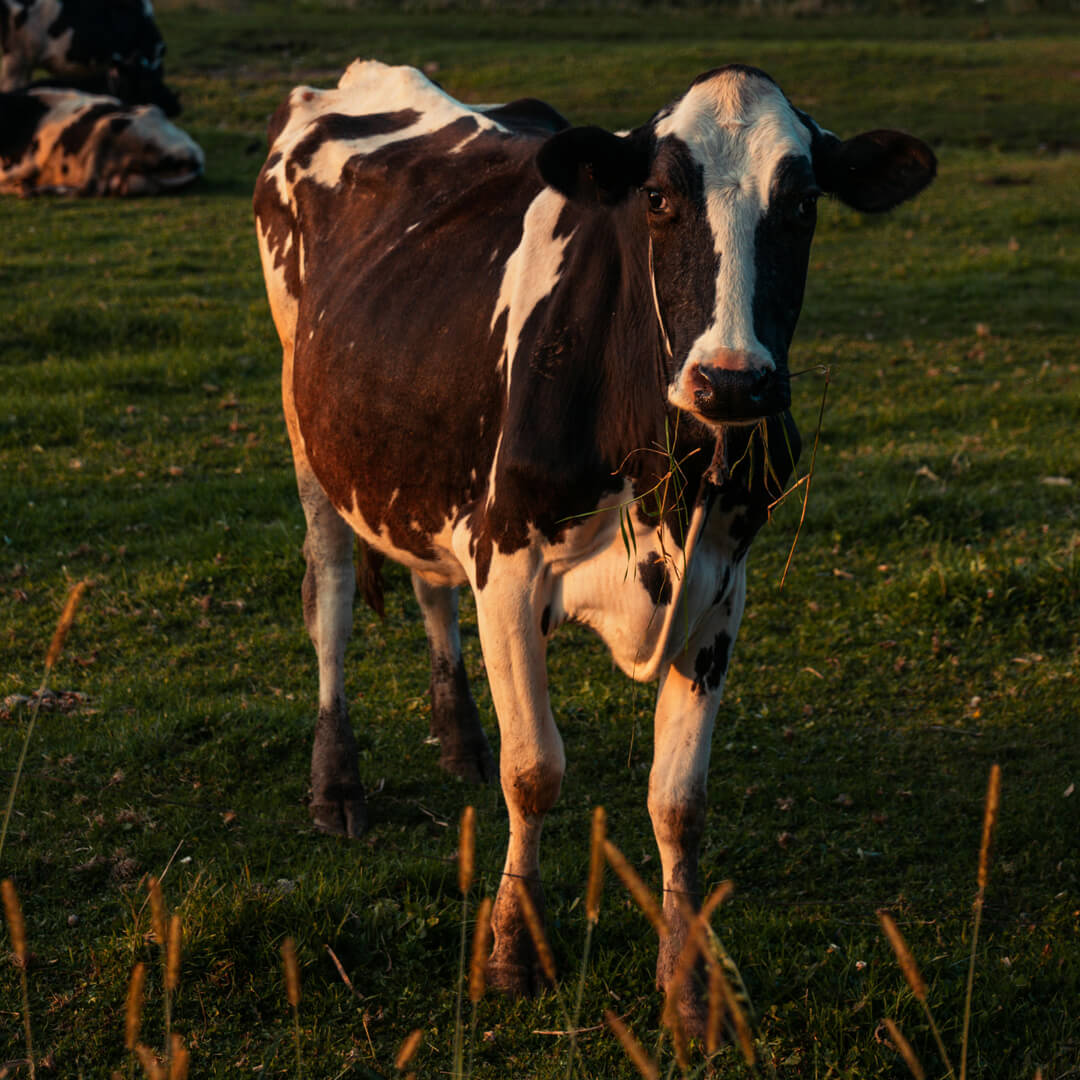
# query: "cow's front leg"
[337,796]
[689,696]
[531,767]
[463,746]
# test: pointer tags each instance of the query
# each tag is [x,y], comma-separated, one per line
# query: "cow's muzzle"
[721,394]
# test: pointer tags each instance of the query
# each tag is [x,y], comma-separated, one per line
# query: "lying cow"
[507,342]
[66,142]
[109,47]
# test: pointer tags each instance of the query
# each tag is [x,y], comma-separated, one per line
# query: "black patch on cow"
[75,135]
[120,123]
[653,571]
[333,126]
[711,664]
[529,116]
[22,113]
[782,241]
[545,620]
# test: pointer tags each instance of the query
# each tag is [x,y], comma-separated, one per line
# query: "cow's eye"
[658,204]
[806,209]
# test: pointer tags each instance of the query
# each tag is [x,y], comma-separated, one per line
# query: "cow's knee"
[532,790]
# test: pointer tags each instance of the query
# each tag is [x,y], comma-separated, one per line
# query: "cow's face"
[721,190]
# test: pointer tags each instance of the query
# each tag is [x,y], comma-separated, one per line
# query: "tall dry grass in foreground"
[910,969]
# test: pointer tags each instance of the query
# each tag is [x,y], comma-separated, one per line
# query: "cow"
[108,47]
[550,363]
[67,142]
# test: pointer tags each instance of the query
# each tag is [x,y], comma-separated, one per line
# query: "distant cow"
[66,142]
[99,46]
[548,362]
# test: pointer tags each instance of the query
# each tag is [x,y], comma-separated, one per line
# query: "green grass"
[928,627]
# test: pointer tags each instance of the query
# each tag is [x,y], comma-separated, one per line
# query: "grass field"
[929,626]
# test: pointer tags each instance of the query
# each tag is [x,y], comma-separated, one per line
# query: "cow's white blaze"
[738,127]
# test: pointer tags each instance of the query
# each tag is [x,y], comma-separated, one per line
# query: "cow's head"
[722,188]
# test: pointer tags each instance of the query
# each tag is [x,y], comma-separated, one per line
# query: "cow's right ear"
[874,171]
[592,166]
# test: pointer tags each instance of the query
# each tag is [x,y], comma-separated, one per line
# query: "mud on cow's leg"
[463,747]
[686,708]
[337,796]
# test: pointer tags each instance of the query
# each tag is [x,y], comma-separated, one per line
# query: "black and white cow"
[506,340]
[109,47]
[66,142]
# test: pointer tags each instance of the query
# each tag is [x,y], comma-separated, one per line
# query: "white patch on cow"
[531,272]
[737,126]
[368,87]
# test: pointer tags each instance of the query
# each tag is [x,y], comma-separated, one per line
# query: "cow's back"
[387,212]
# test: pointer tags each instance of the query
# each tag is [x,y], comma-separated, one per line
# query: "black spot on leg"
[711,664]
[545,620]
[654,576]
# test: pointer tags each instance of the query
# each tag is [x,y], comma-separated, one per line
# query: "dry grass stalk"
[715,1024]
[481,941]
[536,929]
[172,962]
[179,1059]
[65,623]
[467,850]
[16,925]
[904,1047]
[903,955]
[990,815]
[153,1069]
[158,919]
[407,1050]
[17,931]
[715,899]
[134,1006]
[673,1022]
[637,889]
[292,972]
[596,865]
[738,1018]
[634,1050]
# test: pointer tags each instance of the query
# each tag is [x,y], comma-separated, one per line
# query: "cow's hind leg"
[455,723]
[337,796]
[686,708]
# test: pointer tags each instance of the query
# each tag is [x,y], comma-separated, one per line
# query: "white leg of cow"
[463,746]
[337,797]
[531,767]
[687,704]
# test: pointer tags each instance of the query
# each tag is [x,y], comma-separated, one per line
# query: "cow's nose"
[722,393]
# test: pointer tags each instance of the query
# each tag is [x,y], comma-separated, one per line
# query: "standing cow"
[506,341]
[109,47]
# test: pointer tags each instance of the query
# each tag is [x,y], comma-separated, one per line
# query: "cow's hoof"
[471,761]
[516,980]
[347,817]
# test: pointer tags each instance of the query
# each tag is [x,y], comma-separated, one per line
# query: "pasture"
[928,626]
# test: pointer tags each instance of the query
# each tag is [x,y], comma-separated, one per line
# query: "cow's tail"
[369,564]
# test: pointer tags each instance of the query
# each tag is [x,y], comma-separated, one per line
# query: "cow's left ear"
[592,166]
[874,171]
